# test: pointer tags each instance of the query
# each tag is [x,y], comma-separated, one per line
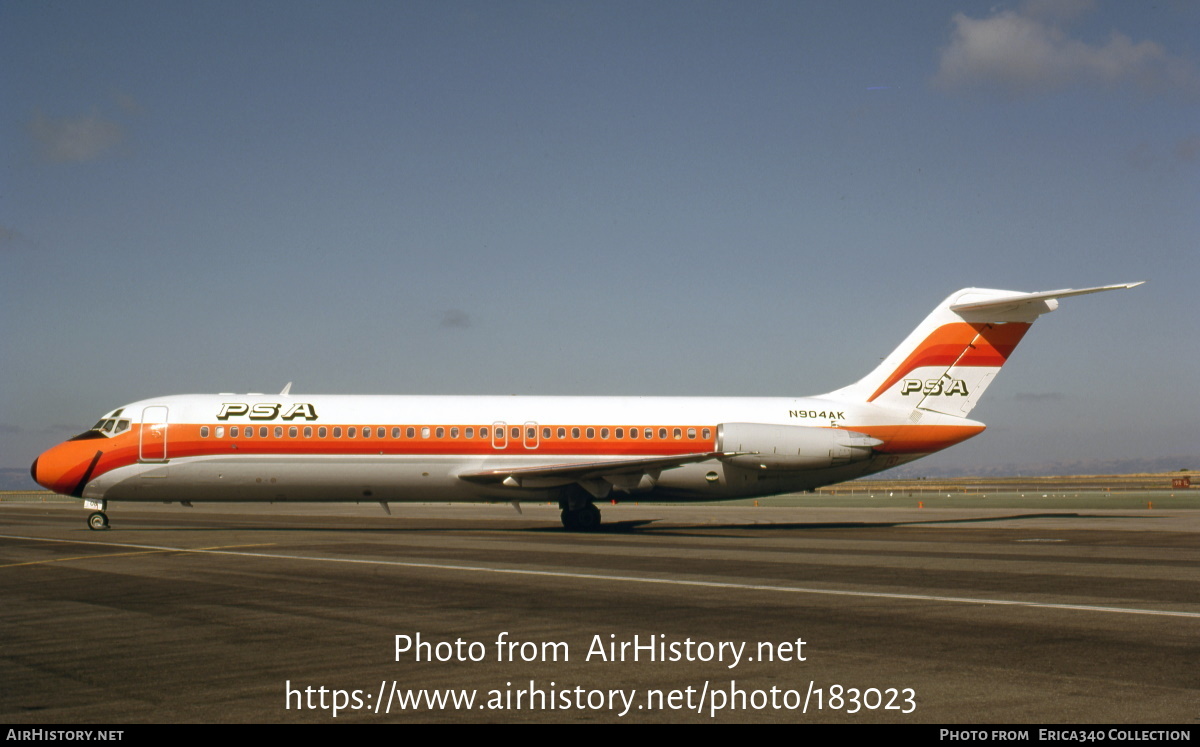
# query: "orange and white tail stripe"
[948,361]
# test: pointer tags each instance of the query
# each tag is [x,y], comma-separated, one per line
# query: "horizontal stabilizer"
[1015,301]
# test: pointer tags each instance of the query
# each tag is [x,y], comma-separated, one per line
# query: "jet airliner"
[572,450]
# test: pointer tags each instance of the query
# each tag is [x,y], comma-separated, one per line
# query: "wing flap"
[616,472]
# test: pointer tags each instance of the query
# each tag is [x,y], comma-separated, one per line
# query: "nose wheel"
[98,521]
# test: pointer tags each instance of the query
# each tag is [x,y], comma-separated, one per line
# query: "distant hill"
[17,478]
[1049,469]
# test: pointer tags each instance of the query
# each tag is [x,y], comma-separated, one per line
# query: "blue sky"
[700,198]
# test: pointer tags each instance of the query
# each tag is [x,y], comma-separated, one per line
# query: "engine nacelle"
[792,447]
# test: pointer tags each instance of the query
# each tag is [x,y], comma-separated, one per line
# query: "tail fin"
[950,359]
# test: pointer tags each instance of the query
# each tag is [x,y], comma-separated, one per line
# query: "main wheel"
[98,521]
[583,519]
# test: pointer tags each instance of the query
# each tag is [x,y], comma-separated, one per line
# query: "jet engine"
[791,447]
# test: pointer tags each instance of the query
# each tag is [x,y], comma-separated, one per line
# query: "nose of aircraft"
[66,468]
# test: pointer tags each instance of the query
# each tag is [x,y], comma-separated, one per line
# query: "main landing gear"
[579,514]
[586,519]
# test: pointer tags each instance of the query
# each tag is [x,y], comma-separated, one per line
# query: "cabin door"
[152,442]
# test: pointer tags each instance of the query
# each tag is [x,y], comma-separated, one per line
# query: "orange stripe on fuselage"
[918,439]
[64,467]
[952,343]
[185,440]
[69,460]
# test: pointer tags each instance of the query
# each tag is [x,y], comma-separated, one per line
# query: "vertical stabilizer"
[948,361]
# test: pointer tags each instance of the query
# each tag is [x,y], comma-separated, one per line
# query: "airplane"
[572,450]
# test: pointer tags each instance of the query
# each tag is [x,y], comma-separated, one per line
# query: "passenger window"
[233,431]
[292,431]
[441,432]
[411,432]
[279,431]
[633,432]
[574,433]
[470,433]
[691,432]
[322,432]
[562,432]
[425,432]
[649,433]
[483,432]
[591,432]
[220,431]
[603,433]
[262,431]
[705,433]
[453,433]
[620,433]
[546,433]
[249,431]
[351,432]
[678,433]
[514,432]
[662,433]
[337,432]
[204,431]
[395,433]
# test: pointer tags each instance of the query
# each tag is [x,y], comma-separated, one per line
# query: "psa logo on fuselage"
[266,411]
[934,386]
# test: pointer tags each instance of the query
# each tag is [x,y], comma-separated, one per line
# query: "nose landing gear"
[97,521]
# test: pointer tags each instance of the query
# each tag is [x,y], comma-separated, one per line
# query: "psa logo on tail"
[934,387]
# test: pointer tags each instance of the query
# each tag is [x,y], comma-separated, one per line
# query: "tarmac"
[681,614]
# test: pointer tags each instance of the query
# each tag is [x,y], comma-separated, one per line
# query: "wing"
[598,478]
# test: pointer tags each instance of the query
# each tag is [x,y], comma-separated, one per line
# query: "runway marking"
[83,557]
[118,554]
[625,579]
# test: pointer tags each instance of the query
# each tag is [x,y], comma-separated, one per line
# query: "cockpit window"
[104,428]
[112,426]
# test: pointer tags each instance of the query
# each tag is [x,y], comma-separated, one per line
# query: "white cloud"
[75,139]
[1024,52]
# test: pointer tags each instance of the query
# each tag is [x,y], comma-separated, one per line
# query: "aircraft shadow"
[659,527]
[640,526]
